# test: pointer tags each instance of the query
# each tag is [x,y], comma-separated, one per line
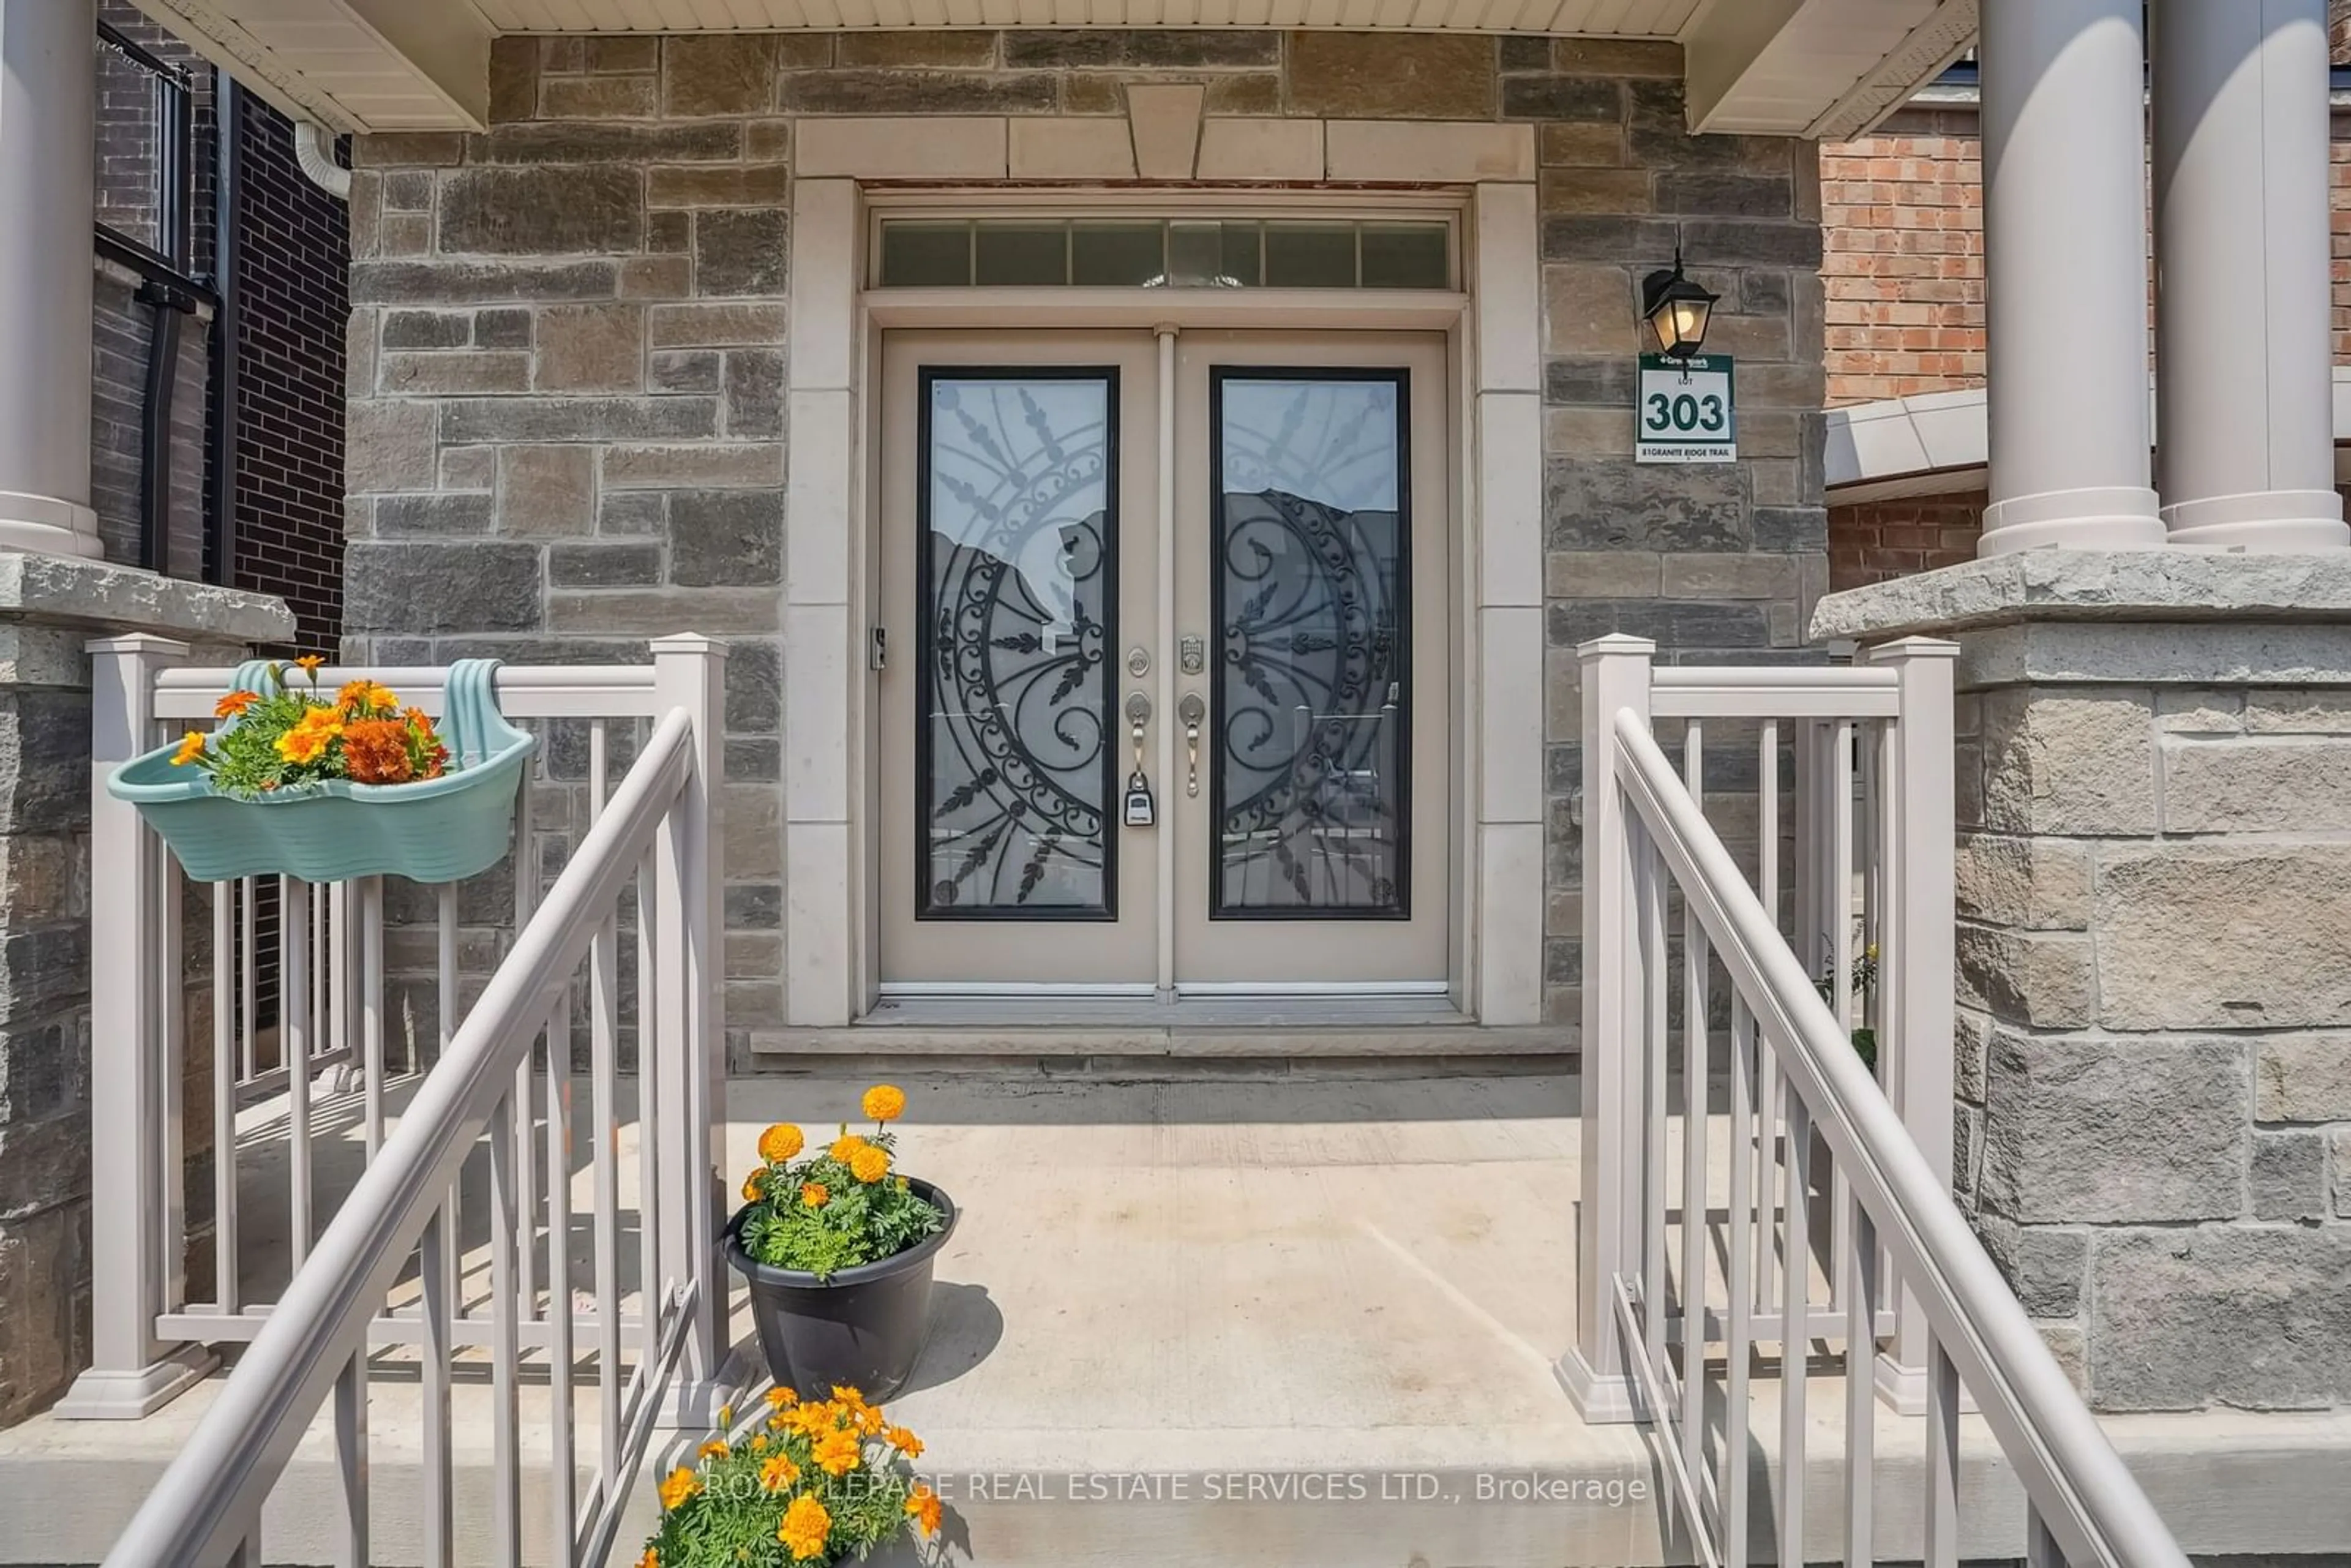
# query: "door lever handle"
[1192,710]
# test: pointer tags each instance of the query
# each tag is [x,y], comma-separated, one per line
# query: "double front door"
[1166,701]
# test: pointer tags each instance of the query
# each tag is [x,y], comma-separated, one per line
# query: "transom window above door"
[1141,251]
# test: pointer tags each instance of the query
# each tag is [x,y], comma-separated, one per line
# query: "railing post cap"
[687,643]
[1912,648]
[1616,645]
[138,643]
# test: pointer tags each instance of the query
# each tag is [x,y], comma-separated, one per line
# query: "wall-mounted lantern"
[1676,310]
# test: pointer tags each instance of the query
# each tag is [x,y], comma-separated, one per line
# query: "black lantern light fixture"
[1676,310]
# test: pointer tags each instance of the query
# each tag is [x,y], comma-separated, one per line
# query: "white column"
[2065,237]
[2243,345]
[48,112]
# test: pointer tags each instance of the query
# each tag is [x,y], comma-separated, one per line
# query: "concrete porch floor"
[1173,1307]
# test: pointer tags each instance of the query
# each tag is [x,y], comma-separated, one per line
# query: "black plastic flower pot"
[863,1328]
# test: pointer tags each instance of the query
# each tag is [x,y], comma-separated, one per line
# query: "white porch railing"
[455,1247]
[1811,1134]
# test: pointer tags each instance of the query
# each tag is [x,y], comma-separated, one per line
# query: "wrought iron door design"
[1310,688]
[1017,513]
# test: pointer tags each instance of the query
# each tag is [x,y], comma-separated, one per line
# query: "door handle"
[1192,710]
[1138,811]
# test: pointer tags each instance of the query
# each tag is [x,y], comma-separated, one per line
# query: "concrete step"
[1302,1323]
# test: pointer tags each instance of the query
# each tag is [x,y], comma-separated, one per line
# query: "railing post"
[1917,820]
[1616,677]
[689,1026]
[132,1374]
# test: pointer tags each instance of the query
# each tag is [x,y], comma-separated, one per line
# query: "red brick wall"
[1902,211]
[1870,541]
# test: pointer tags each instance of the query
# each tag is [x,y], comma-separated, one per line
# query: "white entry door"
[1131,747]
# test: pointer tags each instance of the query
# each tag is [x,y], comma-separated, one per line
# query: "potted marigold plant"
[815,1482]
[299,782]
[836,1248]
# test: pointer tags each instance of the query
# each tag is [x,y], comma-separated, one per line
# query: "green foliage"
[1865,985]
[856,1221]
[243,759]
[728,1509]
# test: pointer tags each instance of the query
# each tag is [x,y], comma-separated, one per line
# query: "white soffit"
[1826,69]
[351,64]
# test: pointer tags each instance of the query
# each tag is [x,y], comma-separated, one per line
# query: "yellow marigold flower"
[725,1416]
[838,1453]
[848,1397]
[806,1524]
[885,1101]
[716,1450]
[235,702]
[778,1472]
[906,1442]
[310,662]
[680,1484]
[780,1397]
[755,1187]
[922,1508]
[846,1146]
[192,746]
[308,739]
[812,1195]
[652,1559]
[869,1164]
[780,1143]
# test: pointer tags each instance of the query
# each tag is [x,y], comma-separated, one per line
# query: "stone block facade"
[2154,947]
[569,344]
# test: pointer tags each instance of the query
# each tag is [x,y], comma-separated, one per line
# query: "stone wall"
[2154,945]
[567,353]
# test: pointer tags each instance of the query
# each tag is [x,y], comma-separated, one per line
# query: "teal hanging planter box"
[438,830]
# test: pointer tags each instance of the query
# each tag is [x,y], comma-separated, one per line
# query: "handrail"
[2086,1496]
[196,1512]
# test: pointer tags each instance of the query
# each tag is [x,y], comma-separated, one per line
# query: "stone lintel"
[62,590]
[2167,585]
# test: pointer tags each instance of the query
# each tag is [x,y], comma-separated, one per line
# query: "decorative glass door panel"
[1015,561]
[1018,524]
[1310,598]
[1082,784]
[1312,566]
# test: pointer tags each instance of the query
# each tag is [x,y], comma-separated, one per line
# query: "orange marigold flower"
[714,1450]
[652,1559]
[753,1188]
[310,661]
[922,1507]
[838,1453]
[869,1164]
[812,1195]
[845,1145]
[376,751]
[885,1101]
[906,1442]
[677,1486]
[192,746]
[806,1524]
[780,1397]
[780,1143]
[778,1472]
[235,702]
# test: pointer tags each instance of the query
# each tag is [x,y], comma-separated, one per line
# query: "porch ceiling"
[1809,67]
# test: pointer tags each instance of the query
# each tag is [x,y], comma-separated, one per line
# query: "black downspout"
[169,305]
[220,563]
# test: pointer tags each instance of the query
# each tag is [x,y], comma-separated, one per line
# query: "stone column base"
[51,605]
[2154,956]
